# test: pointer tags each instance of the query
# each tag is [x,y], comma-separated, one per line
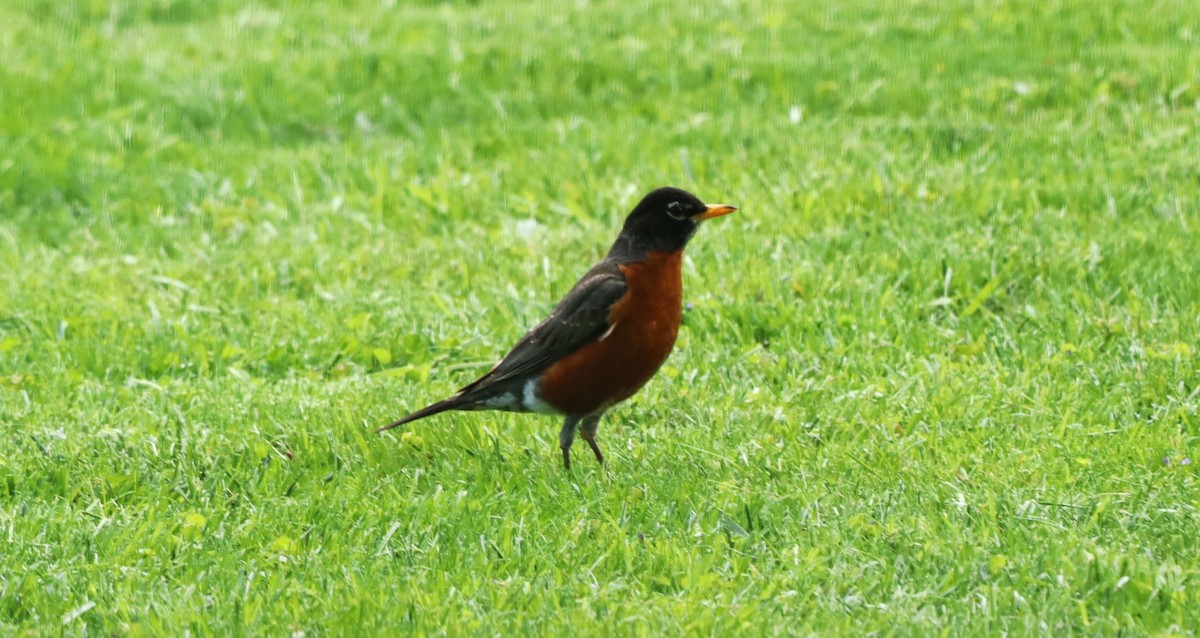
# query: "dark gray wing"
[579,319]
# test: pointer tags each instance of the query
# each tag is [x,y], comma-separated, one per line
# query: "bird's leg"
[588,431]
[566,437]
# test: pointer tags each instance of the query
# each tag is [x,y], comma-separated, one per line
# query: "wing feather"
[579,319]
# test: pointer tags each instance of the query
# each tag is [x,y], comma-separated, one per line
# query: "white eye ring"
[671,208]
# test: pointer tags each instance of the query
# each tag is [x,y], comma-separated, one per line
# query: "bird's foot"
[595,448]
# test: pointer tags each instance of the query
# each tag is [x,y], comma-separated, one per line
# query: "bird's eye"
[675,211]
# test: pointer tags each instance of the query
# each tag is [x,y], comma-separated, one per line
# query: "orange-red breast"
[607,336]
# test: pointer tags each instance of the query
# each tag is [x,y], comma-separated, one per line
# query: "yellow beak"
[714,210]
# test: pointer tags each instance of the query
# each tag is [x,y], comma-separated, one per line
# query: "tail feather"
[453,403]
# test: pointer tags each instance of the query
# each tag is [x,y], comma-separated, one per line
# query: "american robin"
[607,337]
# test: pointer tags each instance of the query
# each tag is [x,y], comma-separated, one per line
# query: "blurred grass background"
[939,374]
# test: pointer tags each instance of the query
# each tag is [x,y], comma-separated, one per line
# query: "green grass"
[926,385]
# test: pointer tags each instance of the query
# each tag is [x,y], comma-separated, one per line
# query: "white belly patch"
[533,402]
[502,402]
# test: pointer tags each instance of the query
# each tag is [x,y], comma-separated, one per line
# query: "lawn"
[940,374]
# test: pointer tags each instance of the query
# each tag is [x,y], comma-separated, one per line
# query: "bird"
[607,337]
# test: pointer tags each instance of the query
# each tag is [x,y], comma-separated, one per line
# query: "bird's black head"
[664,220]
